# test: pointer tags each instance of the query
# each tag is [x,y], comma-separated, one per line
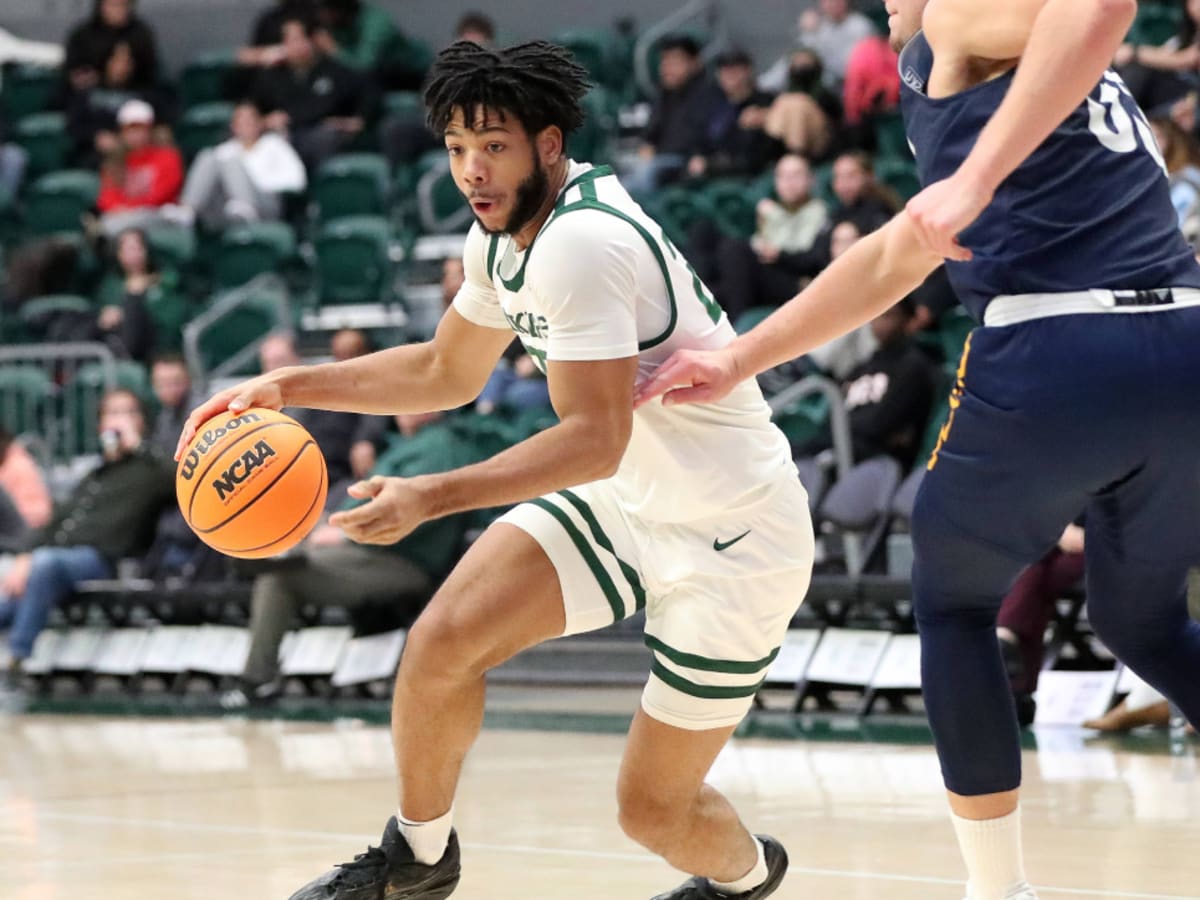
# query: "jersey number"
[1122,136]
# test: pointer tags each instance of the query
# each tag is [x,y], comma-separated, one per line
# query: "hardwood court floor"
[199,809]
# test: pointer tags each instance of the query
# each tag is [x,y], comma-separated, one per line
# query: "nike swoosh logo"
[720,545]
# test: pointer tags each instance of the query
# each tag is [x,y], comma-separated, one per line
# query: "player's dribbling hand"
[262,392]
[395,510]
[943,211]
[690,376]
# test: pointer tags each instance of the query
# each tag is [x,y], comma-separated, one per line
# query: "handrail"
[267,285]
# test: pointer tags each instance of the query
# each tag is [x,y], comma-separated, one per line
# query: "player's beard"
[530,198]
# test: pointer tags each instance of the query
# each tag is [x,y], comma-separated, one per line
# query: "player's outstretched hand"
[394,510]
[690,376]
[942,211]
[261,392]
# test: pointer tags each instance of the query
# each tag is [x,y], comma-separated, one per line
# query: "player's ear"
[549,144]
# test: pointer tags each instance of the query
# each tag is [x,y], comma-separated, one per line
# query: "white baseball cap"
[135,112]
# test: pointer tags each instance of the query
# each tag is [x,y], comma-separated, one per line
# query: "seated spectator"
[802,117]
[453,277]
[337,571]
[316,102]
[932,300]
[266,39]
[516,384]
[363,36]
[172,386]
[109,516]
[141,177]
[1181,153]
[759,272]
[403,135]
[841,356]
[347,440]
[872,87]
[888,397]
[22,482]
[1161,76]
[678,120]
[125,323]
[833,30]
[861,199]
[90,44]
[14,160]
[243,179]
[92,113]
[733,142]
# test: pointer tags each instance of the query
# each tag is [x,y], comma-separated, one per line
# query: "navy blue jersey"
[1090,208]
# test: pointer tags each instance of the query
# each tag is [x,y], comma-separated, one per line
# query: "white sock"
[750,880]
[991,848]
[427,839]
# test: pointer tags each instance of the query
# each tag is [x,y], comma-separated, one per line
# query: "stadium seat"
[441,208]
[1155,23]
[203,126]
[38,314]
[203,80]
[592,142]
[249,322]
[900,176]
[860,502]
[172,246]
[891,140]
[44,137]
[27,90]
[26,393]
[676,209]
[250,250]
[731,205]
[404,102]
[815,480]
[952,330]
[57,201]
[81,396]
[354,184]
[596,50]
[353,265]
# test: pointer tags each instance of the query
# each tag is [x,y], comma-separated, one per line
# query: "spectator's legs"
[317,143]
[13,161]
[240,189]
[346,574]
[647,175]
[404,138]
[202,191]
[114,223]
[55,572]
[1029,606]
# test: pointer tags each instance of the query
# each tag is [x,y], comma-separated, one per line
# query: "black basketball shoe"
[388,872]
[702,889]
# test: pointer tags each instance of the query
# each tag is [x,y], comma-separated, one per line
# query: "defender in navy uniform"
[1047,198]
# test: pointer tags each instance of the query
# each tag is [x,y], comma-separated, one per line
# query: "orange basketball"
[252,485]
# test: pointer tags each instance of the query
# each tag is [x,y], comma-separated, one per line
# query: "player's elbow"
[1116,10]
[602,445]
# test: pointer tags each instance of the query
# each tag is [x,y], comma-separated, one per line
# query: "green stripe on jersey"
[708,664]
[630,573]
[703,691]
[589,556]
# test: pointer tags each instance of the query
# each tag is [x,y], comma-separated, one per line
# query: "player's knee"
[648,819]
[447,642]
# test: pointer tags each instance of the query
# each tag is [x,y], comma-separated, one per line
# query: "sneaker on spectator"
[251,696]
[177,214]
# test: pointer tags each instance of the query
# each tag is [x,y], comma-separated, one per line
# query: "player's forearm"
[568,454]
[856,287]
[1070,47]
[408,379]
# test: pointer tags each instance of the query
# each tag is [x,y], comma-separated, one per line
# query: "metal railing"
[704,13]
[265,296]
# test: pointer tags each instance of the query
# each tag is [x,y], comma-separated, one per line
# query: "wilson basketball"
[253,484]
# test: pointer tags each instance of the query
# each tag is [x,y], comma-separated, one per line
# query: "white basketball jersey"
[602,281]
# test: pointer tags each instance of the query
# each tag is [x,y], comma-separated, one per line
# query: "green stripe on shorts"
[704,691]
[589,556]
[708,664]
[630,573]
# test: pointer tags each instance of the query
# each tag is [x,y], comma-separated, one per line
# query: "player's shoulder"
[583,241]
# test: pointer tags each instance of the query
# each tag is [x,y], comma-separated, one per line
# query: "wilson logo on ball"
[209,439]
[241,468]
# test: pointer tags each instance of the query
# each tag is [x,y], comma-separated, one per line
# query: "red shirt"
[872,79]
[152,177]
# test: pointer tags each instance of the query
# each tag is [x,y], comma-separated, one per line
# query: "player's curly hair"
[539,83]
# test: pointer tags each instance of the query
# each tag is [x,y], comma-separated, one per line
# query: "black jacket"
[328,89]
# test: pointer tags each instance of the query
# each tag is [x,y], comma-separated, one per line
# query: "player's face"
[904,21]
[498,169]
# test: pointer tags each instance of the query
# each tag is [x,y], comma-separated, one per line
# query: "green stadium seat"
[27,90]
[57,201]
[593,141]
[406,102]
[676,209]
[596,50]
[353,265]
[38,313]
[203,80]
[823,185]
[44,137]
[203,126]
[172,246]
[250,250]
[900,176]
[81,399]
[1155,23]
[731,205]
[353,184]
[26,394]
[891,140]
[953,329]
[752,317]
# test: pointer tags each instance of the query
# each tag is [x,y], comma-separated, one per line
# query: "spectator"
[932,300]
[841,356]
[872,86]
[1160,76]
[320,105]
[335,570]
[833,30]
[141,177]
[734,142]
[1181,153]
[802,116]
[347,440]
[108,517]
[861,199]
[761,272]
[1027,610]
[243,179]
[266,40]
[678,120]
[364,37]
[13,162]
[453,277]
[90,45]
[172,386]
[404,135]
[22,481]
[125,323]
[515,385]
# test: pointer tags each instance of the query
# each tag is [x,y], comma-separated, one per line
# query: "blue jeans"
[646,176]
[506,388]
[53,575]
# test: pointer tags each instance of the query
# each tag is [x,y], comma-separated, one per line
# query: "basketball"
[253,484]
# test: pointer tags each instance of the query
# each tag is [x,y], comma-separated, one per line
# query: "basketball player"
[694,514]
[1079,391]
